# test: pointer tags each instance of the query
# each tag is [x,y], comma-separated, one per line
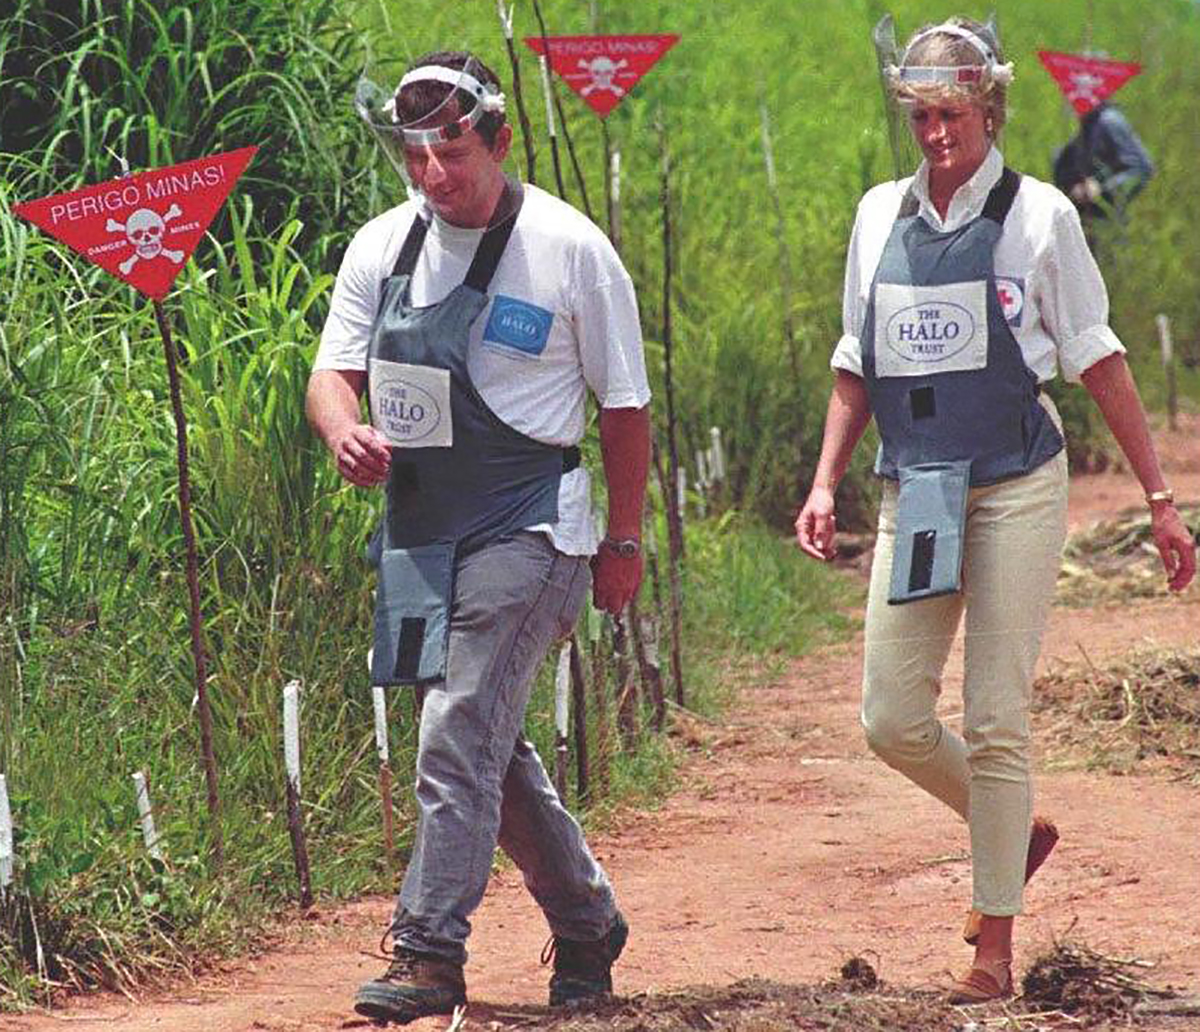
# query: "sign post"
[141,229]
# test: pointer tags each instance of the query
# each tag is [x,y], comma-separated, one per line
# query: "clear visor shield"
[905,155]
[443,104]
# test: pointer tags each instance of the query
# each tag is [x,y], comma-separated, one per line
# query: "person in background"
[1104,166]
[477,317]
[968,287]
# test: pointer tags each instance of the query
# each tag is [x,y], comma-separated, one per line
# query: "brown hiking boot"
[583,970]
[415,985]
[1042,838]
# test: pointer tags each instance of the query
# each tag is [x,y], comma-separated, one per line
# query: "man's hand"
[1086,191]
[615,580]
[363,455]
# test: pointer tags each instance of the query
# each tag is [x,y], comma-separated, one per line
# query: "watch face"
[626,549]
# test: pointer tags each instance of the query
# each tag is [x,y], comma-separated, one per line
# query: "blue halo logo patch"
[518,326]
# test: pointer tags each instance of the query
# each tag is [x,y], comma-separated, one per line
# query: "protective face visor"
[897,72]
[447,121]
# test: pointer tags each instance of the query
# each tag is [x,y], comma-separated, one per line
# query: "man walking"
[476,317]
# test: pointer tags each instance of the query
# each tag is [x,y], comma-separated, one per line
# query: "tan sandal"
[980,985]
[1043,837]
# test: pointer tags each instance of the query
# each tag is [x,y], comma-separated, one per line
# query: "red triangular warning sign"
[1087,81]
[142,228]
[602,69]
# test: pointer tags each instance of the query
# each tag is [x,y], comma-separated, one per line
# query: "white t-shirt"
[579,328]
[1051,290]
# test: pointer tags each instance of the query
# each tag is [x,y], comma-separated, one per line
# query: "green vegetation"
[95,670]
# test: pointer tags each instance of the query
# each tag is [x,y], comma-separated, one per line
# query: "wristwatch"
[1165,495]
[626,548]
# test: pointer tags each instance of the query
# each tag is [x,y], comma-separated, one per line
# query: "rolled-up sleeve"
[1074,301]
[848,353]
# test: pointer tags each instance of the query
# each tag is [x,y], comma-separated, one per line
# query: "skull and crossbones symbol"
[144,230]
[603,70]
[1083,86]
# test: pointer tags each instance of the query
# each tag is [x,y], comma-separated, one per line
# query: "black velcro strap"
[922,403]
[571,458]
[408,648]
[1000,200]
[920,572]
[407,260]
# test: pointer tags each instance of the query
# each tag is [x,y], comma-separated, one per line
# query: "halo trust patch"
[518,326]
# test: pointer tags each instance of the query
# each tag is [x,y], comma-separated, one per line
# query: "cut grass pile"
[1115,561]
[1144,706]
[1072,986]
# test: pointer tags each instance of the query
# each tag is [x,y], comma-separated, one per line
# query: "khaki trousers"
[1014,538]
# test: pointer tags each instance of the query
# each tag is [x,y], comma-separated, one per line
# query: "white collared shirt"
[1053,295]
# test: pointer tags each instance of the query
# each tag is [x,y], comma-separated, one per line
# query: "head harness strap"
[487,99]
[956,75]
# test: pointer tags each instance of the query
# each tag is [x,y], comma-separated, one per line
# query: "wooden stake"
[648,672]
[8,859]
[1168,361]
[627,721]
[385,773]
[600,695]
[146,813]
[291,753]
[579,697]
[203,710]
[674,580]
[562,716]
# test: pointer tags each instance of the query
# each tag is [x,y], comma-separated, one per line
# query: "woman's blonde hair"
[939,46]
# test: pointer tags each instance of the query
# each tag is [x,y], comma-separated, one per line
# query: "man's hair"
[419,100]
[941,49]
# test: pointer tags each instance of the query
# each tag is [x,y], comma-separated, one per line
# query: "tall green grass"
[95,669]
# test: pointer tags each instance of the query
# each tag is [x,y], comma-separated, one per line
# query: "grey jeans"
[479,782]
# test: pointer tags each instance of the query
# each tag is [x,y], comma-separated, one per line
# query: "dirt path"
[789,849]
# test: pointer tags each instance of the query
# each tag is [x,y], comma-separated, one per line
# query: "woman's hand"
[1174,543]
[816,525]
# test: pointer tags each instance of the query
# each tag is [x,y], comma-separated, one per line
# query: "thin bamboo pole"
[506,20]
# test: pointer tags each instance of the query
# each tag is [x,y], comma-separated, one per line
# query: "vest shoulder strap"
[495,238]
[407,259]
[996,207]
[1000,200]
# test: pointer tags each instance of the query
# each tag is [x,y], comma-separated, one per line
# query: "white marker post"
[1168,361]
[291,756]
[614,180]
[716,460]
[385,771]
[7,856]
[146,812]
[562,716]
